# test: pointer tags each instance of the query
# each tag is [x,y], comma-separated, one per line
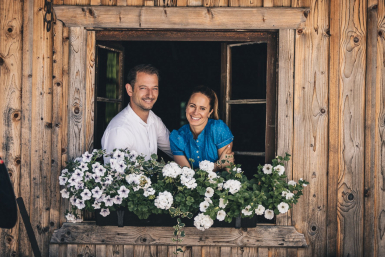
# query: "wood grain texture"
[57,112]
[196,251]
[263,252]
[268,3]
[90,90]
[72,250]
[26,122]
[128,250]
[11,50]
[101,251]
[86,250]
[334,129]
[64,113]
[141,250]
[77,92]
[218,3]
[380,134]
[352,117]
[310,144]
[116,251]
[370,136]
[266,236]
[278,3]
[187,18]
[162,250]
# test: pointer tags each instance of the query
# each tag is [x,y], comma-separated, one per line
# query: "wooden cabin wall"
[337,139]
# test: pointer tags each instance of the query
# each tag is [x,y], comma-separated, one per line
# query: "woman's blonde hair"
[212,96]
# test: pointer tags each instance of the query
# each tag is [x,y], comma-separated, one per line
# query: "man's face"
[145,91]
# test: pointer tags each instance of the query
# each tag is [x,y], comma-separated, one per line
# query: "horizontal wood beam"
[260,236]
[181,18]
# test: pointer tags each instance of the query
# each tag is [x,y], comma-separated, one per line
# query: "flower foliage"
[152,187]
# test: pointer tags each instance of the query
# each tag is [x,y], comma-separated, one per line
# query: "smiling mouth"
[148,100]
[194,118]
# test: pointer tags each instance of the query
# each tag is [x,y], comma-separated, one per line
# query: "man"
[136,127]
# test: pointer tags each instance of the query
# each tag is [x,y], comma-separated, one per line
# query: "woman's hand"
[226,155]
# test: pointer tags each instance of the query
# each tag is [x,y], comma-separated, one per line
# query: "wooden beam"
[264,236]
[182,18]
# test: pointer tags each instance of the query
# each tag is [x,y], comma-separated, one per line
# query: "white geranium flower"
[222,203]
[247,211]
[189,182]
[289,196]
[233,185]
[171,170]
[203,206]
[238,170]
[86,157]
[283,207]
[123,192]
[62,180]
[269,214]
[221,215]
[206,166]
[209,192]
[104,212]
[208,200]
[292,183]
[118,155]
[149,191]
[203,222]
[280,169]
[117,199]
[96,205]
[188,172]
[211,176]
[86,194]
[260,210]
[65,193]
[164,200]
[96,192]
[220,186]
[267,168]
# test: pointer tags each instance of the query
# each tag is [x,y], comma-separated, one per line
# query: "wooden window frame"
[84,20]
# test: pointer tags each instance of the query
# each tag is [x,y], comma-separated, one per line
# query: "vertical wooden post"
[310,144]
[11,21]
[90,90]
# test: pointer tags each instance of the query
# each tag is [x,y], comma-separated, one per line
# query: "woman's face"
[198,109]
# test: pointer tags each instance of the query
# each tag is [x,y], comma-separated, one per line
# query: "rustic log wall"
[335,108]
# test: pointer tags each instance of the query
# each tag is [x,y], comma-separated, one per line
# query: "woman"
[205,137]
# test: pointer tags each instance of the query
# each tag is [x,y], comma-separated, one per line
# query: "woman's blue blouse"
[214,136]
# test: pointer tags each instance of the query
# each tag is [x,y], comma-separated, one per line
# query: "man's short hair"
[145,68]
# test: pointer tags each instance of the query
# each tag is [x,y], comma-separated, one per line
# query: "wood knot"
[306,13]
[84,9]
[366,192]
[58,84]
[356,40]
[350,197]
[16,116]
[76,110]
[323,110]
[52,224]
[48,125]
[9,239]
[313,228]
[63,150]
[91,12]
[300,31]
[18,160]
[10,30]
[1,61]
[380,33]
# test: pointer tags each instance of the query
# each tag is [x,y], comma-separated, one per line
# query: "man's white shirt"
[128,130]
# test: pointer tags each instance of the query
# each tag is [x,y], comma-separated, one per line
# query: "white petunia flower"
[233,185]
[83,166]
[80,204]
[222,203]
[269,214]
[208,200]
[267,168]
[221,215]
[88,176]
[289,196]
[73,181]
[65,193]
[96,205]
[120,166]
[117,199]
[108,201]
[133,155]
[70,217]
[86,194]
[97,192]
[284,193]
[203,206]
[206,166]
[63,172]
[100,171]
[62,180]
[292,183]
[86,157]
[118,155]
[104,212]
[283,207]
[79,185]
[209,192]
[260,210]
[280,169]
[220,186]
[247,211]
[203,222]
[123,192]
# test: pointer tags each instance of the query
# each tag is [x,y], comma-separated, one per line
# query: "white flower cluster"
[203,222]
[140,181]
[164,200]
[232,185]
[171,170]
[187,178]
[206,166]
[247,211]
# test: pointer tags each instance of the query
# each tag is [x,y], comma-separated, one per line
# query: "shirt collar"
[150,119]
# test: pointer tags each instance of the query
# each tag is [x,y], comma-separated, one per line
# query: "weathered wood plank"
[101,251]
[86,250]
[268,3]
[352,117]
[183,17]
[77,90]
[225,251]
[72,250]
[266,236]
[171,251]
[250,252]
[141,250]
[196,251]
[11,50]
[162,250]
[282,3]
[54,250]
[263,252]
[134,2]
[128,250]
[334,129]
[90,90]
[310,143]
[64,114]
[380,133]
[212,3]
[369,243]
[116,250]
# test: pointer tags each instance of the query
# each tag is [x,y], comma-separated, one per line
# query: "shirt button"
[197,141]
[197,151]
[198,157]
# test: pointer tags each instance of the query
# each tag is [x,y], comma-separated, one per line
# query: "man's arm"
[163,139]
[119,138]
